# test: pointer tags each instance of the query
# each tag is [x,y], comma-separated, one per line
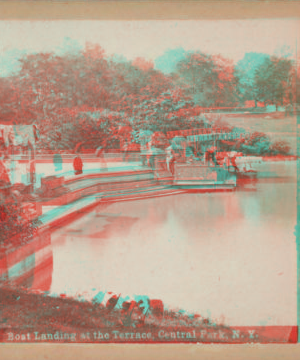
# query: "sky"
[148,39]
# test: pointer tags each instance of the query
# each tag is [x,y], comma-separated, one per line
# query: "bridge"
[215,136]
[206,137]
[221,131]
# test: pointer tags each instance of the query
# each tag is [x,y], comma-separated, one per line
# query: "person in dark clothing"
[214,158]
[152,162]
[78,165]
[233,163]
[207,157]
[172,166]
[57,161]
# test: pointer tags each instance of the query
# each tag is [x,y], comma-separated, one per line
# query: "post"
[12,164]
[32,170]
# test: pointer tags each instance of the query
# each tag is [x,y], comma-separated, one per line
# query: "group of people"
[170,155]
[188,155]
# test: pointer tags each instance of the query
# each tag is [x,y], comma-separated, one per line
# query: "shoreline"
[87,316]
[37,318]
[82,203]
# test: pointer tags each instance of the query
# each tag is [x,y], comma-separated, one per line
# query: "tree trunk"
[255,101]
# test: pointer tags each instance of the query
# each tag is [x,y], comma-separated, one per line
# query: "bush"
[258,144]
[280,147]
[14,228]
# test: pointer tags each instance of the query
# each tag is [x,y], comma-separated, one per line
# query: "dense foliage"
[14,227]
[258,144]
[86,96]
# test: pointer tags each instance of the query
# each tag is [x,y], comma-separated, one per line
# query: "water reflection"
[228,255]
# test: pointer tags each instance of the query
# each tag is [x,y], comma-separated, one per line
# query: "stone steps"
[76,188]
[140,193]
[68,212]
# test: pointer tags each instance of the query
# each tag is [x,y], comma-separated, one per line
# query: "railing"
[216,136]
[121,156]
[192,132]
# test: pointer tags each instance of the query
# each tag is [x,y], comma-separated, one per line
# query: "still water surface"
[230,256]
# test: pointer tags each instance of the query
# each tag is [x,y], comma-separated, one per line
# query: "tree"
[211,79]
[7,100]
[257,144]
[246,69]
[15,229]
[197,70]
[280,147]
[228,92]
[273,81]
[168,60]
[93,129]
[143,64]
[135,82]
[48,82]
[168,111]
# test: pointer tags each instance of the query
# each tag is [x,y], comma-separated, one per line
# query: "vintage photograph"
[148,181]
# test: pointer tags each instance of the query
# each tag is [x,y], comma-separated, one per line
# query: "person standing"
[32,174]
[144,154]
[226,162]
[206,157]
[172,165]
[126,150]
[169,157]
[214,158]
[149,154]
[78,165]
[100,153]
[233,163]
[57,162]
[77,162]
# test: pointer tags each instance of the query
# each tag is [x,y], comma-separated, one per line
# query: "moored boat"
[200,176]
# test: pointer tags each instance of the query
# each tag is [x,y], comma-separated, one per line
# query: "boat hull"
[201,177]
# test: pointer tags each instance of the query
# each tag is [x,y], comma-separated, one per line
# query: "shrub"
[280,147]
[14,228]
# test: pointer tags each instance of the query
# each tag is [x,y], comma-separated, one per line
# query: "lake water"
[228,255]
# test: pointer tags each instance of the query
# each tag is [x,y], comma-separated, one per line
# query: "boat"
[191,173]
[200,176]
